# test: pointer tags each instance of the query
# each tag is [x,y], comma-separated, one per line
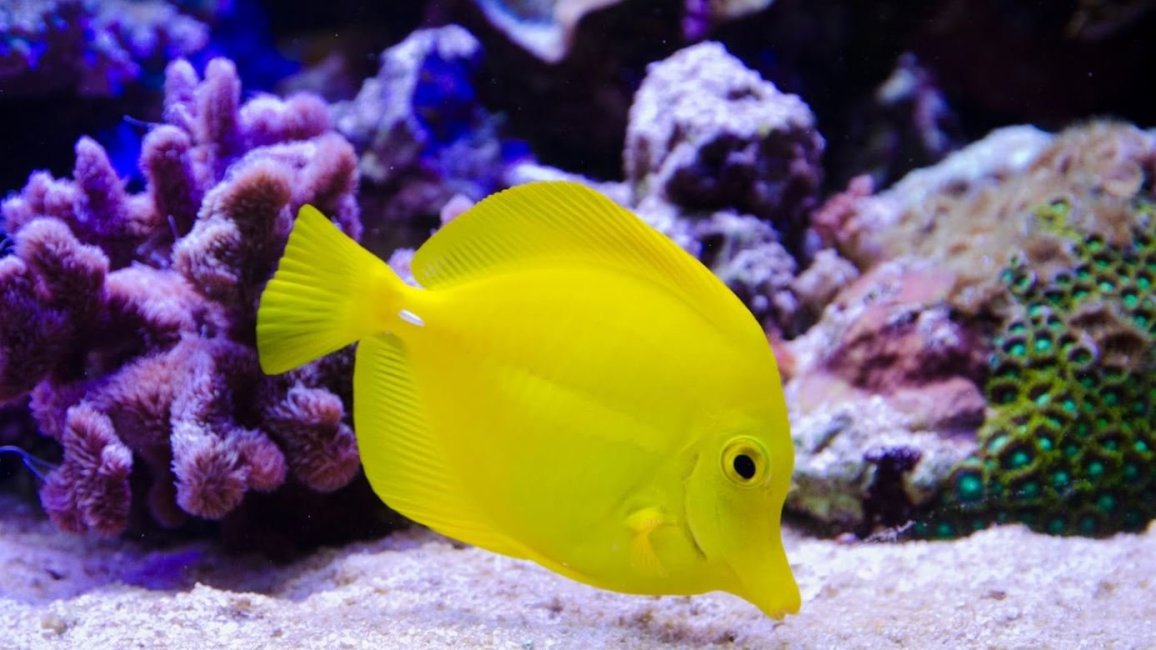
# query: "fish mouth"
[766,581]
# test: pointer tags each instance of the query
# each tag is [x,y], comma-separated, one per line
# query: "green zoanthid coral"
[1069,446]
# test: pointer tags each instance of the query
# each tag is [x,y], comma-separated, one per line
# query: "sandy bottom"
[1003,588]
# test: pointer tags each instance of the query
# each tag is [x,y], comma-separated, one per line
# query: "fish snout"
[768,583]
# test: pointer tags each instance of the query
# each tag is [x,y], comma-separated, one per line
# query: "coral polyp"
[1070,446]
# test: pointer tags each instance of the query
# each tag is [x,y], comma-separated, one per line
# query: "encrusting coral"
[1038,245]
[728,166]
[887,375]
[706,133]
[129,318]
[1070,447]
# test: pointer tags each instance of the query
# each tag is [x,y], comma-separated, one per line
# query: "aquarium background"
[941,215]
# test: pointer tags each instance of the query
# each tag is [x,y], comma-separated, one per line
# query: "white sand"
[1003,588]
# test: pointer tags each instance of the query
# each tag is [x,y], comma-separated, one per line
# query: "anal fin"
[404,460]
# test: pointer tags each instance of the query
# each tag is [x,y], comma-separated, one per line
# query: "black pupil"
[744,466]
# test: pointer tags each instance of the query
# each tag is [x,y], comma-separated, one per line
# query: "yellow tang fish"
[567,385]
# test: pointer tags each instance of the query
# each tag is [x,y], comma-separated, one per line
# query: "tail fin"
[327,292]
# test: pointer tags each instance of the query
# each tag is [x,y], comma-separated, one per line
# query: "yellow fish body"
[567,385]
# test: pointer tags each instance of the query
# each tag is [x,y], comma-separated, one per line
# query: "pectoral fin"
[642,554]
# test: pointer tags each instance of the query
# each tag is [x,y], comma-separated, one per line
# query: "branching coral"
[94,48]
[130,317]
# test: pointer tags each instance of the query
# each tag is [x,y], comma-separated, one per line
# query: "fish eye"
[744,466]
[744,462]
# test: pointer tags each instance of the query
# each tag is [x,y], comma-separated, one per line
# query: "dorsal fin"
[552,222]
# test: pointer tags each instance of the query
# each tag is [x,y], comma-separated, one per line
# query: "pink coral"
[890,333]
[899,335]
[90,490]
[129,318]
[885,397]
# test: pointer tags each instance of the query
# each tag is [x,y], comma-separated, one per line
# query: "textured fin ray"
[551,223]
[327,292]
[405,461]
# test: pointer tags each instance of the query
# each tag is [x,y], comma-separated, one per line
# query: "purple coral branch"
[90,490]
[129,317]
